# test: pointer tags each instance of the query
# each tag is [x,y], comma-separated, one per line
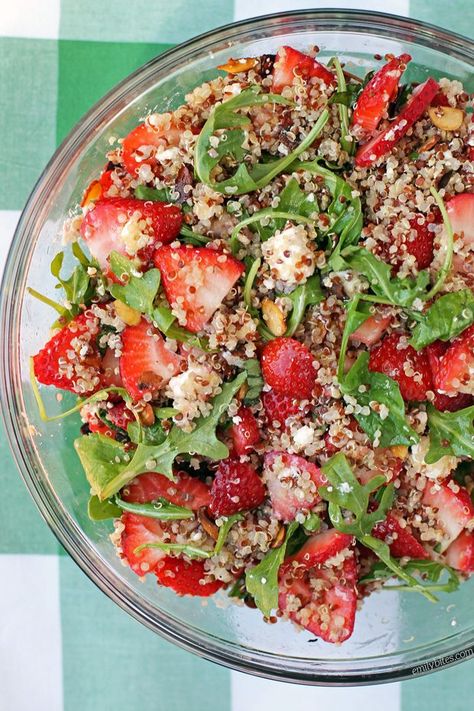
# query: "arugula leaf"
[293,200]
[139,292]
[161,509]
[98,510]
[245,179]
[191,237]
[307,294]
[247,294]
[153,194]
[428,569]
[262,580]
[109,466]
[224,531]
[346,144]
[312,523]
[448,259]
[190,551]
[451,433]
[445,319]
[372,390]
[267,212]
[358,311]
[139,434]
[254,380]
[165,321]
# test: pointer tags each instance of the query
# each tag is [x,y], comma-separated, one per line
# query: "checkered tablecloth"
[63,644]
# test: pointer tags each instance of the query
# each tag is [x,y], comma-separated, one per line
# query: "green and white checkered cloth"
[63,644]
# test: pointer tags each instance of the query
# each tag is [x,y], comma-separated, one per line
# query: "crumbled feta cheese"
[289,255]
[190,392]
[439,470]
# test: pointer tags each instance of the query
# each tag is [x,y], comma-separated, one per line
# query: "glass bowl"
[396,634]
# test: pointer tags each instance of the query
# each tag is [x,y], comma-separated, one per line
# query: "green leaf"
[427,569]
[293,200]
[141,288]
[312,523]
[139,434]
[191,237]
[358,311]
[224,531]
[165,321]
[345,492]
[106,464]
[372,390]
[245,179]
[448,258]
[160,509]
[190,551]
[346,145]
[451,433]
[445,319]
[98,510]
[153,194]
[269,213]
[78,288]
[254,380]
[307,294]
[262,580]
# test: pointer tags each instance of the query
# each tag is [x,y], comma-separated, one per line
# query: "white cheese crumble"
[439,470]
[190,392]
[289,255]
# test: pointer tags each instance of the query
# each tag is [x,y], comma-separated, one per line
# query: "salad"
[269,329]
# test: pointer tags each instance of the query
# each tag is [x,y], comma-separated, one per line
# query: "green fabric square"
[455,16]
[27,115]
[112,662]
[446,689]
[142,20]
[88,70]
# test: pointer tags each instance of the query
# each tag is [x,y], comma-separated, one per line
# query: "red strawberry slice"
[110,370]
[452,403]
[288,367]
[196,280]
[114,223]
[374,99]
[186,491]
[146,364]
[453,510]
[318,549]
[325,599]
[289,63]
[460,554]
[461,215]
[384,141]
[236,487]
[292,484]
[245,433]
[422,245]
[453,372]
[372,330]
[139,147]
[400,539]
[278,407]
[185,577]
[385,464]
[98,427]
[70,359]
[137,531]
[440,99]
[408,367]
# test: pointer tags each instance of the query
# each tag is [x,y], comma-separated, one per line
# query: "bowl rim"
[64,528]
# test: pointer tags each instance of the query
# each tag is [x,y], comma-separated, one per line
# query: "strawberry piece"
[114,223]
[435,352]
[278,407]
[245,433]
[290,489]
[186,491]
[374,99]
[318,549]
[453,510]
[120,415]
[70,360]
[386,464]
[460,554]
[396,362]
[384,141]
[139,146]
[290,63]
[440,99]
[461,215]
[287,367]
[236,487]
[371,331]
[401,541]
[98,427]
[453,371]
[185,577]
[137,531]
[422,246]
[110,370]
[196,280]
[146,364]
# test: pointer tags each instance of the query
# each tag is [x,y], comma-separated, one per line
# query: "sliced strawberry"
[146,364]
[292,484]
[70,359]
[440,99]
[98,427]
[372,330]
[187,491]
[245,433]
[323,600]
[461,215]
[137,531]
[278,407]
[422,245]
[453,373]
[318,549]
[196,280]
[139,147]
[460,554]
[384,141]
[236,487]
[120,415]
[374,99]
[110,370]
[129,226]
[288,367]
[289,63]
[385,464]
[453,510]
[408,367]
[401,540]
[185,577]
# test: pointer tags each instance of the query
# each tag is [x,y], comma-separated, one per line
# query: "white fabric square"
[30,18]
